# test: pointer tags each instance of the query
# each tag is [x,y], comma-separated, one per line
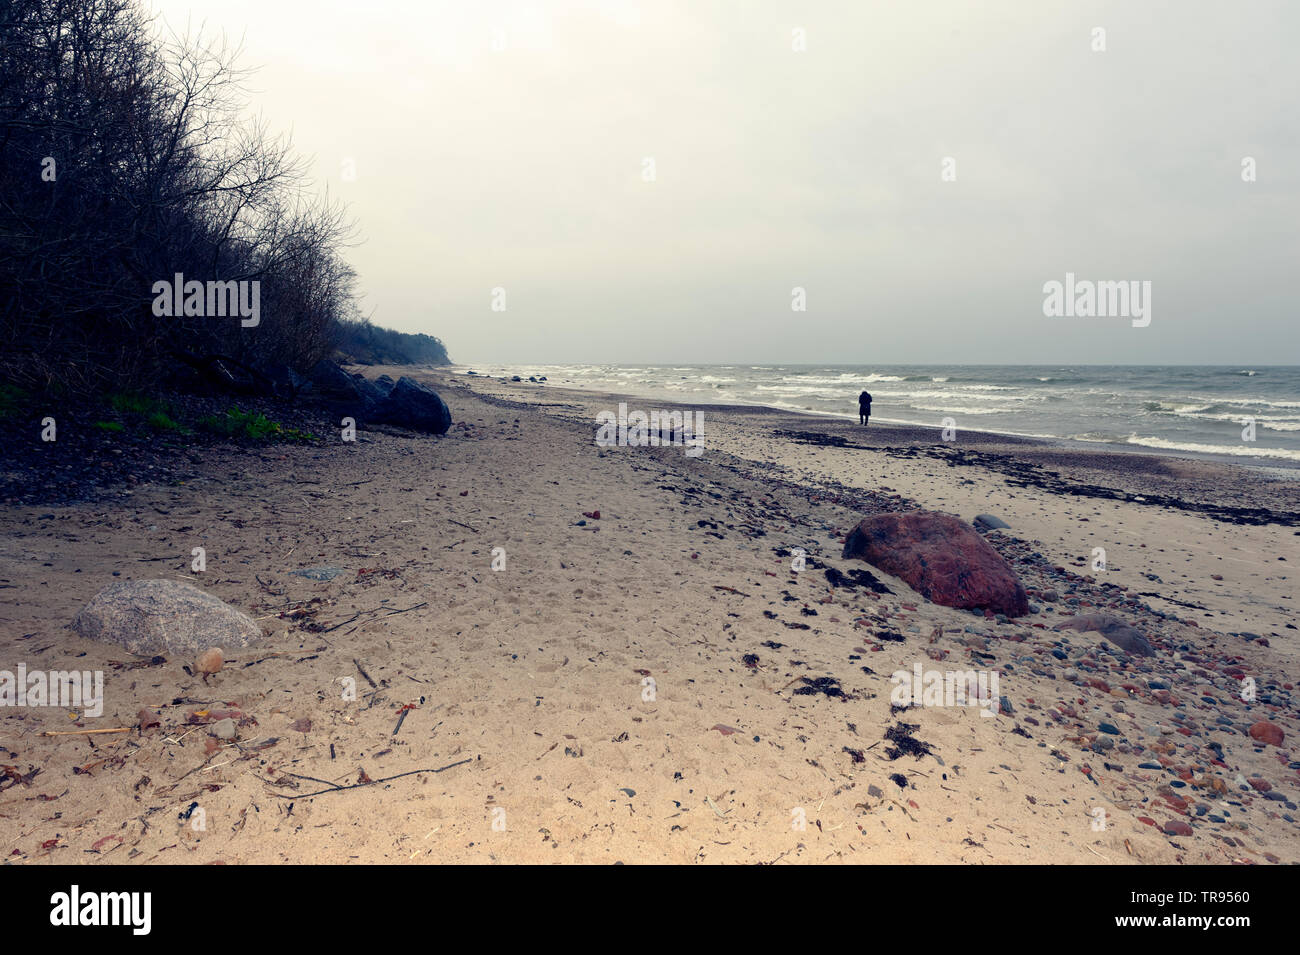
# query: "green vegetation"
[162,421]
[237,423]
[11,396]
[115,426]
[131,403]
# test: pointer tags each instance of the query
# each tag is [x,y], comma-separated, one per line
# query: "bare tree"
[125,159]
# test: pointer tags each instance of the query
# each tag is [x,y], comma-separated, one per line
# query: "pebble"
[210,661]
[224,729]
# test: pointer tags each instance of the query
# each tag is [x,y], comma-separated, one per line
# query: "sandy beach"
[658,683]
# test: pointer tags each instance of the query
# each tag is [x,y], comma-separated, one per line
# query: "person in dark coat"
[864,406]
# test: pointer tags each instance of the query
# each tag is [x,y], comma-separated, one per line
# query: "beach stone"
[224,729]
[210,661]
[318,573]
[1266,732]
[330,380]
[370,392]
[150,617]
[413,405]
[940,557]
[987,522]
[1115,630]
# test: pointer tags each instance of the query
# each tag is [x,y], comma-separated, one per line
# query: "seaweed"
[822,684]
[905,744]
[855,578]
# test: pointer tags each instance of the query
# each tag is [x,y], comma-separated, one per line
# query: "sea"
[1250,415]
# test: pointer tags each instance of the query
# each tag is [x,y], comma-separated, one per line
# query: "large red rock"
[940,557]
[1266,732]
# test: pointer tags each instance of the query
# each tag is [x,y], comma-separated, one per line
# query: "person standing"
[864,406]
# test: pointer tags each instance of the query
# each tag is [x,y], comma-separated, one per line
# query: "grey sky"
[522,168]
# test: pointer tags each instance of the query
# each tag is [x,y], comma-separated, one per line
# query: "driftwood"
[373,782]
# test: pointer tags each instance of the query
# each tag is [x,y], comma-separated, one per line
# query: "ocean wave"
[961,395]
[1235,450]
[1187,409]
[958,409]
[1244,449]
[841,379]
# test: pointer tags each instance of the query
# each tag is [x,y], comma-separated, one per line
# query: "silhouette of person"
[864,406]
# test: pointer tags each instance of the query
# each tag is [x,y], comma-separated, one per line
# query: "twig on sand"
[349,620]
[373,782]
[401,718]
[788,685]
[466,526]
[115,729]
[730,590]
[362,671]
[393,613]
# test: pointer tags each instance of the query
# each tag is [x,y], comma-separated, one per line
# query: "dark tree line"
[368,344]
[126,158]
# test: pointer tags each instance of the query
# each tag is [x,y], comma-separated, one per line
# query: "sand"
[575,693]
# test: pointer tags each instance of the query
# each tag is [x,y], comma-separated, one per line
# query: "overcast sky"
[523,168]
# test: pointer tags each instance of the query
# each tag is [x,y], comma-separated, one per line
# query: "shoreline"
[1283,468]
[1219,480]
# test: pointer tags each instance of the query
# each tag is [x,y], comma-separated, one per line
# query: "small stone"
[319,573]
[1108,728]
[1176,827]
[210,661]
[224,729]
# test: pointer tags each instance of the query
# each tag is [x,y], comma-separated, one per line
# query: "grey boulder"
[331,381]
[149,617]
[1117,632]
[413,405]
